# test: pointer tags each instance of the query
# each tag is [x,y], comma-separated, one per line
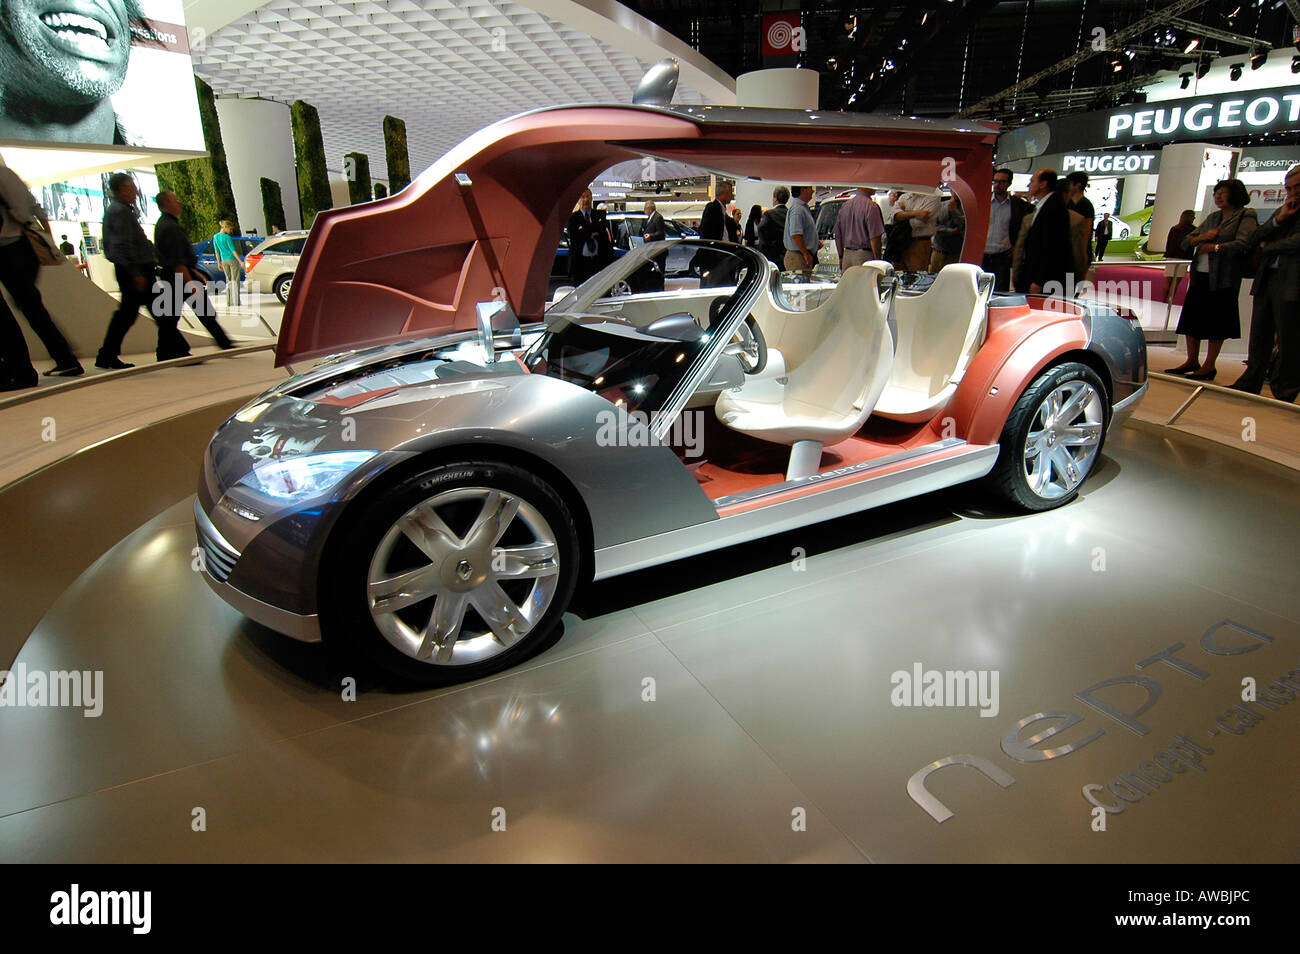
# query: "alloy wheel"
[463,576]
[1064,439]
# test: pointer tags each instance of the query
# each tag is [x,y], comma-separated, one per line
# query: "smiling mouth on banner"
[81,33]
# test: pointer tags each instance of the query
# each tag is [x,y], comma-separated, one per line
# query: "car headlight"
[298,478]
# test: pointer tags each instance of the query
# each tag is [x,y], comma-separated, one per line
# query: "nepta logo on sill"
[1217,115]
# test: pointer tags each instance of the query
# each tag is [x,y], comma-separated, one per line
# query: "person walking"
[1103,233]
[229,260]
[1217,249]
[19,267]
[1006,214]
[859,229]
[771,227]
[132,255]
[178,265]
[800,233]
[1276,290]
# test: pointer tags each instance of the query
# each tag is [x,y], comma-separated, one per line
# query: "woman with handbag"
[19,266]
[1217,248]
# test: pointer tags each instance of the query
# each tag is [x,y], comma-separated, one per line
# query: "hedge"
[381,191]
[309,157]
[357,167]
[272,205]
[399,163]
[202,184]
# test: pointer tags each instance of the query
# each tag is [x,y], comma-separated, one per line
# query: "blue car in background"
[208,258]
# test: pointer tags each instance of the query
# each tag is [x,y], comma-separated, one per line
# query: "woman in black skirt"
[1217,248]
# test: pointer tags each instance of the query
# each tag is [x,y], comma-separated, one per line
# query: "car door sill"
[836,494]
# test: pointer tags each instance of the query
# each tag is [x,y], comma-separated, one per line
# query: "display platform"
[755,704]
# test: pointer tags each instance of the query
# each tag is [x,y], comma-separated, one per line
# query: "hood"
[484,222]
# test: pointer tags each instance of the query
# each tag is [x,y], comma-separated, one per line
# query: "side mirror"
[498,328]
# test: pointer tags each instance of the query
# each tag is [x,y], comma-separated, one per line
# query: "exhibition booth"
[699,558]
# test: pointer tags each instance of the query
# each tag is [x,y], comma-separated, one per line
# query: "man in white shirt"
[921,210]
[887,205]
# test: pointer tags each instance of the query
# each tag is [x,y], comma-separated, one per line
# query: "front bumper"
[219,560]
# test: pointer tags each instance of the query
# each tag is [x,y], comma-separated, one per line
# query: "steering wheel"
[749,345]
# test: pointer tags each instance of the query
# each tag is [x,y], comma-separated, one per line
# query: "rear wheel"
[281,287]
[458,572]
[1052,440]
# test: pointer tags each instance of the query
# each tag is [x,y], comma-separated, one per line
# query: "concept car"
[430,494]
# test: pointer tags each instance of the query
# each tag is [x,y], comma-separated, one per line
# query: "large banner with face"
[97,72]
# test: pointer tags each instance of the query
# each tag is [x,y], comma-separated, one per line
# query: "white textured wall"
[259,143]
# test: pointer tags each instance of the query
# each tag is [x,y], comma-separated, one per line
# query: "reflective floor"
[738,706]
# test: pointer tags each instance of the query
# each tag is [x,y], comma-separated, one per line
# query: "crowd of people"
[1043,242]
[161,276]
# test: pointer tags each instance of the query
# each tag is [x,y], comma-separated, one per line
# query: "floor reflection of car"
[271,264]
[208,257]
[429,497]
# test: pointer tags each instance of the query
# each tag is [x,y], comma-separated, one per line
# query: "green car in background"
[1130,237]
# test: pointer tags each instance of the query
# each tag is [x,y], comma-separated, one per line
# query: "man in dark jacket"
[1276,290]
[771,227]
[584,249]
[1049,255]
[132,255]
[653,230]
[182,283]
[715,223]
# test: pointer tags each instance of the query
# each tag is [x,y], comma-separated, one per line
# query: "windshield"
[633,335]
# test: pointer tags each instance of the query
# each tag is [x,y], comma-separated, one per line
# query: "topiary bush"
[309,156]
[202,184]
[357,167]
[272,205]
[399,163]
[381,191]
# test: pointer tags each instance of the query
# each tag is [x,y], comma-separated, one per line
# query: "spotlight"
[1186,80]
[1234,73]
[1258,59]
[1295,64]
[1191,45]
[1202,69]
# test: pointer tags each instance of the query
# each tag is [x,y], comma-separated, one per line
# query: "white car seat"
[837,364]
[938,333]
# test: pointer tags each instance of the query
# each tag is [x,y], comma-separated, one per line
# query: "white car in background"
[270,266]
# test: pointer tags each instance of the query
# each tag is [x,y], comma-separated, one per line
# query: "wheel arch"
[982,411]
